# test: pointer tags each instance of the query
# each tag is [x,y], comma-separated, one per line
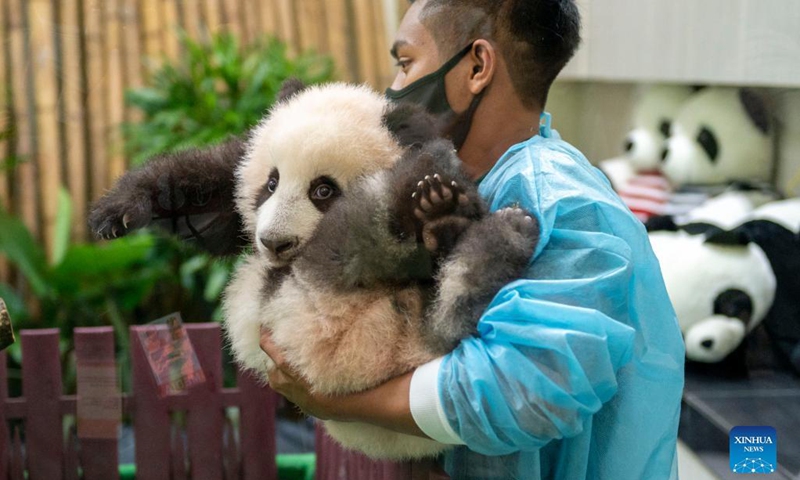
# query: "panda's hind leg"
[490,254]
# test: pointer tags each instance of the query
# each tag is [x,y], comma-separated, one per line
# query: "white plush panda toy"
[636,175]
[721,136]
[729,270]
[655,109]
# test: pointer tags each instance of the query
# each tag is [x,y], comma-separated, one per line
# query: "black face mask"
[430,93]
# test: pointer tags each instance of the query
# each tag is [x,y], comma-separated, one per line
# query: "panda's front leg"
[191,191]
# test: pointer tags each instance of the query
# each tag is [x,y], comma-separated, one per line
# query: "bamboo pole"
[96,86]
[115,92]
[232,19]
[132,56]
[170,36]
[380,46]
[25,199]
[151,31]
[5,192]
[72,92]
[313,29]
[48,151]
[364,18]
[269,22]
[288,25]
[250,15]
[211,16]
[341,44]
[191,19]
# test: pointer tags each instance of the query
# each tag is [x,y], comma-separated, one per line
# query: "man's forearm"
[386,406]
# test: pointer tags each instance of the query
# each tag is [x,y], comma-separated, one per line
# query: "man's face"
[414,49]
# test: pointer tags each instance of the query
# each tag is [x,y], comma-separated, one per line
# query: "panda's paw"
[441,236]
[436,198]
[111,219]
[519,221]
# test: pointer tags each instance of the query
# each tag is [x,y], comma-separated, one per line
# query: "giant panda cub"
[372,252]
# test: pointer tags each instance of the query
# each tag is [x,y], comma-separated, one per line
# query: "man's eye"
[272,185]
[323,192]
[402,63]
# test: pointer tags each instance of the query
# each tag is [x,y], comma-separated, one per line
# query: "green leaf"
[217,279]
[16,306]
[23,251]
[62,227]
[82,261]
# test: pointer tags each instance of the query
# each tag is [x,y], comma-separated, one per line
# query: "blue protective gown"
[577,371]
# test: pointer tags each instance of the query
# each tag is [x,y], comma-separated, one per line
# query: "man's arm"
[386,405]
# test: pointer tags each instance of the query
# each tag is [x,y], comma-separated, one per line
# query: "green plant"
[135,279]
[213,91]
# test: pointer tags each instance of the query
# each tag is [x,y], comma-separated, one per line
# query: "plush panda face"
[656,109]
[719,292]
[303,157]
[721,135]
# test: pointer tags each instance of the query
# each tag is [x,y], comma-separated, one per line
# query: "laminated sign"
[170,354]
[99,402]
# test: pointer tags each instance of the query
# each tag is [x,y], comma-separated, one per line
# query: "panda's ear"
[737,237]
[756,109]
[661,223]
[290,87]
[410,124]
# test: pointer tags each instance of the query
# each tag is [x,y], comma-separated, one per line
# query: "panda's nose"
[281,245]
[707,344]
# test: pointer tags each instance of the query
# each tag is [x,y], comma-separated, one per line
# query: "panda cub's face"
[303,157]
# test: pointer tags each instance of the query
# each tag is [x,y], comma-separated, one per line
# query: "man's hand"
[288,382]
[386,405]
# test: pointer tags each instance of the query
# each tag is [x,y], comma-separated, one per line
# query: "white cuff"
[426,406]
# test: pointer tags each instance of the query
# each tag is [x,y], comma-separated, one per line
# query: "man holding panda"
[577,369]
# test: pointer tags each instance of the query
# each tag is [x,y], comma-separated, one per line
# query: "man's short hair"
[535,37]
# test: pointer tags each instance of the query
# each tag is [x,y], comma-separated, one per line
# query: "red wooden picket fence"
[36,444]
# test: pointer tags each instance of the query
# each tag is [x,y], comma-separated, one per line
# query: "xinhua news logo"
[753,450]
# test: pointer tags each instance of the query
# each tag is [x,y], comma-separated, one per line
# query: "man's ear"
[290,88]
[410,124]
[484,60]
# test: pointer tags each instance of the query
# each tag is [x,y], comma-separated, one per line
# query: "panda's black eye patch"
[735,304]
[664,127]
[323,192]
[269,188]
[708,141]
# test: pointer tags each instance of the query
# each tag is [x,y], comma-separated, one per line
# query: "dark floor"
[713,406]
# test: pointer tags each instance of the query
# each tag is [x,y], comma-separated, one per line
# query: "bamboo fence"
[65,65]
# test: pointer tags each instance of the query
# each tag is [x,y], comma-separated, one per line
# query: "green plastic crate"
[290,467]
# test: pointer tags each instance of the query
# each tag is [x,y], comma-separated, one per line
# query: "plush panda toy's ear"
[756,109]
[410,124]
[290,88]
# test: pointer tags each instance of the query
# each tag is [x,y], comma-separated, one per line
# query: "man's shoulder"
[551,168]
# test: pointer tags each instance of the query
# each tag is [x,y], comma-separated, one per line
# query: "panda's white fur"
[334,130]
[341,343]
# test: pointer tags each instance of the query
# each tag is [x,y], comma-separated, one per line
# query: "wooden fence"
[65,65]
[34,445]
